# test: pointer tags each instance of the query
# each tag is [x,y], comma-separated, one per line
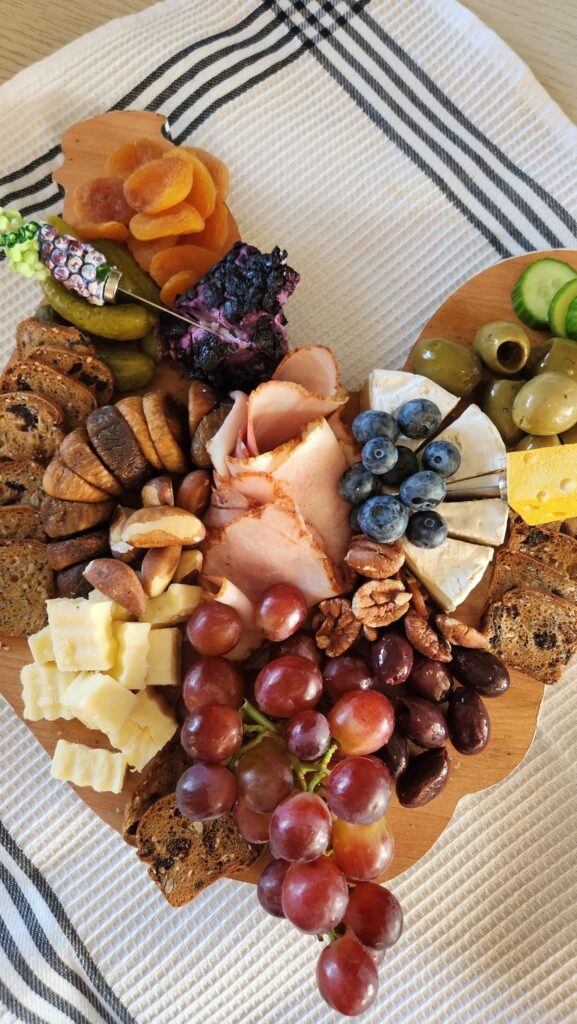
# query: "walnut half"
[336,627]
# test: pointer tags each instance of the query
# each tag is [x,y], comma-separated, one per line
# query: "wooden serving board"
[513,716]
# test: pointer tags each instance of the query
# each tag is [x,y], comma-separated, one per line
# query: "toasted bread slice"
[78,454]
[82,367]
[34,334]
[30,426]
[21,482]
[533,632]
[513,569]
[75,400]
[26,583]
[159,779]
[19,522]
[557,550]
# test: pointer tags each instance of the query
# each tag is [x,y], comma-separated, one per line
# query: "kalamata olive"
[453,366]
[299,643]
[392,659]
[344,674]
[503,346]
[498,406]
[469,725]
[395,754]
[480,671]
[547,404]
[421,722]
[424,779]
[431,680]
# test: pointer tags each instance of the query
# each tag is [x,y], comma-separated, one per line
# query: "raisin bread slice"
[557,550]
[33,335]
[21,482]
[82,367]
[514,570]
[26,583]
[30,426]
[20,522]
[76,401]
[159,779]
[533,632]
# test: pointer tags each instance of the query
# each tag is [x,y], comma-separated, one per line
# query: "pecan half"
[373,560]
[371,634]
[336,627]
[457,632]
[418,594]
[425,639]
[380,602]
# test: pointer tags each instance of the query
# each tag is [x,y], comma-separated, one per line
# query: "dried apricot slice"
[107,229]
[158,185]
[233,234]
[216,168]
[203,192]
[179,283]
[181,257]
[180,219]
[215,231]
[144,252]
[124,160]
[100,200]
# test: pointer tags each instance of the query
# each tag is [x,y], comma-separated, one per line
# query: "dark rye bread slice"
[513,569]
[159,779]
[75,400]
[20,522]
[533,632]
[62,554]
[557,550]
[185,857]
[78,454]
[115,443]
[30,426]
[26,583]
[21,482]
[82,367]
[65,518]
[34,334]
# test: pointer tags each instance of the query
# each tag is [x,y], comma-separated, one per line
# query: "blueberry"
[354,519]
[442,457]
[406,464]
[427,530]
[422,491]
[375,424]
[419,418]
[356,484]
[379,455]
[383,518]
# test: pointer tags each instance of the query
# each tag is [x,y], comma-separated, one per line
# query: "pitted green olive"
[531,441]
[538,352]
[498,406]
[503,346]
[547,404]
[453,366]
[561,358]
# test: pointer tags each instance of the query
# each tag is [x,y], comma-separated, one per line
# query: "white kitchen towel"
[395,148]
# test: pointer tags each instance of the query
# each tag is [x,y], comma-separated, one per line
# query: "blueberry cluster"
[391,496]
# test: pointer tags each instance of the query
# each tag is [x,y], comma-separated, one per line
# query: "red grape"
[264,777]
[214,628]
[212,732]
[308,735]
[269,888]
[374,915]
[205,791]
[392,659]
[315,895]
[213,681]
[345,674]
[287,685]
[347,976]
[362,721]
[280,611]
[300,643]
[252,825]
[362,852]
[358,790]
[300,828]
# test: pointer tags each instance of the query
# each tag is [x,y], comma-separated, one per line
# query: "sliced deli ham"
[225,440]
[314,367]
[278,409]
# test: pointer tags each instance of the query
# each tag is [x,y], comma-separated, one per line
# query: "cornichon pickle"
[134,278]
[532,441]
[498,406]
[152,346]
[131,370]
[454,367]
[547,404]
[503,346]
[561,358]
[122,323]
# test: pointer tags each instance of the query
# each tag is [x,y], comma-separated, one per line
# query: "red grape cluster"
[303,780]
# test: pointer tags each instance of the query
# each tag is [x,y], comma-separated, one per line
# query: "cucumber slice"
[571,321]
[560,303]
[537,285]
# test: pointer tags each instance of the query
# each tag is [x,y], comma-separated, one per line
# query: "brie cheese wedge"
[388,390]
[479,443]
[483,521]
[449,572]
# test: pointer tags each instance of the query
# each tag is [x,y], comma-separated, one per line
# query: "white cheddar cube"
[99,701]
[102,770]
[164,657]
[82,635]
[119,614]
[190,565]
[43,687]
[175,605]
[41,647]
[149,727]
[131,654]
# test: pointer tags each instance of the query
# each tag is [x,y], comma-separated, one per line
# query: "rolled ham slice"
[225,440]
[278,409]
[314,367]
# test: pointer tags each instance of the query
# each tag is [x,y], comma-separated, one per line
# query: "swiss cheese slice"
[542,483]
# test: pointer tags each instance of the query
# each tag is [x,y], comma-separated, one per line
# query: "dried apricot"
[100,200]
[180,219]
[233,234]
[215,231]
[158,185]
[177,284]
[203,192]
[217,170]
[124,160]
[143,252]
[181,257]
[107,229]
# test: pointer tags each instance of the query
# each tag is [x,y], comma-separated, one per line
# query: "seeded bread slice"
[21,482]
[82,367]
[30,426]
[26,583]
[513,569]
[533,632]
[20,522]
[159,779]
[76,401]
[185,857]
[557,550]
[33,334]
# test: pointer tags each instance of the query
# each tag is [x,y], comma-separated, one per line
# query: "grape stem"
[249,710]
[322,769]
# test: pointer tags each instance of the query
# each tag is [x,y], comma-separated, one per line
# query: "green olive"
[561,358]
[531,441]
[498,406]
[453,366]
[569,436]
[503,346]
[538,352]
[547,404]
